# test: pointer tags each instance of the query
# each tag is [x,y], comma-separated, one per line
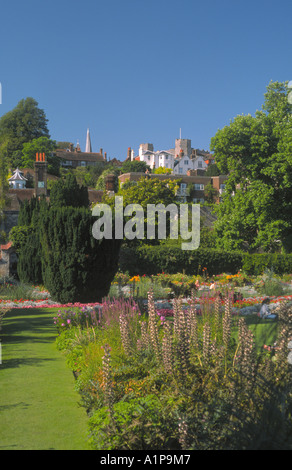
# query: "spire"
[88,148]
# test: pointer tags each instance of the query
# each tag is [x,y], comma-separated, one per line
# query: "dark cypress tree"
[61,252]
[68,193]
[75,266]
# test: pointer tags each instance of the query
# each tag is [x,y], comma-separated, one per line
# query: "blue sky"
[137,71]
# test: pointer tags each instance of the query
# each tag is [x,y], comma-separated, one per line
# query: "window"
[198,187]
[183,186]
[198,200]
[186,162]
[222,186]
[200,165]
[180,170]
[83,163]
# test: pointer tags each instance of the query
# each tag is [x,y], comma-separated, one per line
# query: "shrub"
[157,259]
[137,424]
[195,382]
[256,264]
[62,254]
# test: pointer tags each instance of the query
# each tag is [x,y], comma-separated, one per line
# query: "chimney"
[100,151]
[40,168]
[129,153]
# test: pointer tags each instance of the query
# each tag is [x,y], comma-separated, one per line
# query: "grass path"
[38,405]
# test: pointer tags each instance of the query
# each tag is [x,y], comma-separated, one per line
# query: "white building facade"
[180,159]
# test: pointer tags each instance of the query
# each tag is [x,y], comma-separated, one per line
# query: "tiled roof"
[80,156]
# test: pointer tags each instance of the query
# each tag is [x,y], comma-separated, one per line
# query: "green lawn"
[39,408]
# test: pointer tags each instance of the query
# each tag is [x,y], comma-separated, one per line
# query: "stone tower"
[184,145]
[40,169]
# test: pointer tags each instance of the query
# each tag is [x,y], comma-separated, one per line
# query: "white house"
[161,158]
[185,163]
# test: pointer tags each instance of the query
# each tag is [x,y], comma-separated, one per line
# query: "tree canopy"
[256,153]
[22,124]
[43,145]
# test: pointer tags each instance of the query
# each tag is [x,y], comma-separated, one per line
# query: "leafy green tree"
[149,191]
[134,166]
[23,124]
[211,193]
[143,192]
[212,170]
[100,184]
[19,235]
[162,170]
[4,185]
[43,145]
[256,153]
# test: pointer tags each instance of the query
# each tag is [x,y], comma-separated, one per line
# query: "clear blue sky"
[137,71]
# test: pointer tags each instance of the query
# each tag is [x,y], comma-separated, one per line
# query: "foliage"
[67,192]
[149,260]
[19,235]
[88,176]
[256,264]
[211,193]
[100,184]
[149,191]
[137,424]
[212,170]
[24,123]
[134,166]
[144,192]
[61,252]
[193,382]
[4,186]
[256,154]
[43,145]
[162,170]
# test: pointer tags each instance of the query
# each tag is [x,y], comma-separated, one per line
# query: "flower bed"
[150,383]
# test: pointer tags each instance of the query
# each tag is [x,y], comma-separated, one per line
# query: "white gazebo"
[17,180]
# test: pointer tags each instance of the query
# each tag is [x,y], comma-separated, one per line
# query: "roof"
[17,176]
[95,195]
[6,247]
[80,156]
[17,196]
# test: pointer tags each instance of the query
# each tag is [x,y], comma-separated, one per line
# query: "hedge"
[256,264]
[157,259]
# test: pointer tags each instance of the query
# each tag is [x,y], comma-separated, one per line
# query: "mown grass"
[39,406]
